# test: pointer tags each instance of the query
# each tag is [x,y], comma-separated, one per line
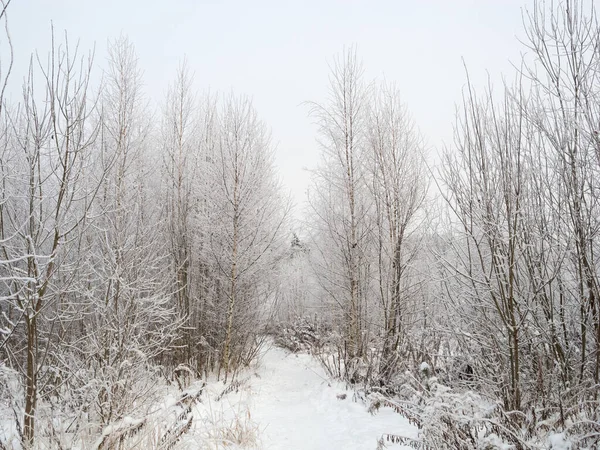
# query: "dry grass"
[239,432]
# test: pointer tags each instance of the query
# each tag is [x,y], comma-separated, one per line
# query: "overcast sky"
[277,52]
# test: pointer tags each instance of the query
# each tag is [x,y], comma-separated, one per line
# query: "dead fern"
[183,422]
[233,386]
[172,436]
[403,440]
[123,431]
[382,402]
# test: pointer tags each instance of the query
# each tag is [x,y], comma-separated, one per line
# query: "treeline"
[133,243]
[137,244]
[482,271]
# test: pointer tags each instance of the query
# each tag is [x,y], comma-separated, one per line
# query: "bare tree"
[339,197]
[398,188]
[248,213]
[128,280]
[181,141]
[565,78]
[487,183]
[50,149]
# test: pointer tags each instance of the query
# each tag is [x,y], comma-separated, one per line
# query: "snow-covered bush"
[303,334]
[463,419]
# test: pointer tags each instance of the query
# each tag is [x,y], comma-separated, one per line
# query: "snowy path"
[297,410]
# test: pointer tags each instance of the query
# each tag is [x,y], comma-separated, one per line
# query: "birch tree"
[248,212]
[398,189]
[339,199]
[43,211]
[128,282]
[181,157]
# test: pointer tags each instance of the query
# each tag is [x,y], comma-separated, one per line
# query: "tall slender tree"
[44,209]
[339,197]
[248,212]
[398,189]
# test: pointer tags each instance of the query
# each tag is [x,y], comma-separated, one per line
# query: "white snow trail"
[297,408]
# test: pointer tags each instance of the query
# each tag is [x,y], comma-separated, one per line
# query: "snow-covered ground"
[298,408]
[284,402]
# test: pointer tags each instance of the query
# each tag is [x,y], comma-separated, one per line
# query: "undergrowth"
[448,404]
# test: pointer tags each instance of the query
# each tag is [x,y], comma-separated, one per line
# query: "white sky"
[277,52]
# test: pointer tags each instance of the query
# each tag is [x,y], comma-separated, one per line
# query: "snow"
[558,441]
[494,442]
[283,402]
[297,407]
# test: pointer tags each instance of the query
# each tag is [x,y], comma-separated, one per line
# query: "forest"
[146,252]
